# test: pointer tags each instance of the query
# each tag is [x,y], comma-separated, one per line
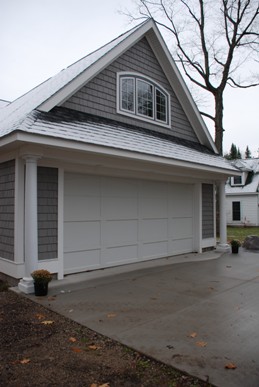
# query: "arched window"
[142,97]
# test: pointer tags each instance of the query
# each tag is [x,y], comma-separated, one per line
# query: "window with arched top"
[143,98]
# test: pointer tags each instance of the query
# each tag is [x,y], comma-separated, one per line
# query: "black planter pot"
[235,249]
[41,288]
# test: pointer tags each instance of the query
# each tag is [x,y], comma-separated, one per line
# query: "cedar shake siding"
[98,97]
[207,211]
[7,180]
[47,213]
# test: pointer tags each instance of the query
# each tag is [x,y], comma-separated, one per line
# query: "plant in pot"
[235,244]
[41,281]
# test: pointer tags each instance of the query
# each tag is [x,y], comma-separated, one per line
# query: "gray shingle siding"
[98,97]
[47,213]
[207,211]
[7,182]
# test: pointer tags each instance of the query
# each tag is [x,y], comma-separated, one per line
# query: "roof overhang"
[76,152]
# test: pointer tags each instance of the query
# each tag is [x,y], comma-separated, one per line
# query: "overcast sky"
[38,38]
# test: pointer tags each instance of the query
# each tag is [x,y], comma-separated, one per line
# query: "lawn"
[241,233]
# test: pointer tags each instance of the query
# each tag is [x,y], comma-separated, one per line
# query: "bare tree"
[213,40]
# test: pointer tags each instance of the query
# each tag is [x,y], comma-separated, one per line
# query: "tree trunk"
[219,121]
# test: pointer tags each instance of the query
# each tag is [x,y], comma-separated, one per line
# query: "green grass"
[241,233]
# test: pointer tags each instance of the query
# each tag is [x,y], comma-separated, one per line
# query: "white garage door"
[111,221]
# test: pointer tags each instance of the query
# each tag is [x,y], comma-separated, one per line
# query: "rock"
[251,242]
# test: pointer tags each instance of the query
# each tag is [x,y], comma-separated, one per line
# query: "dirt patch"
[42,348]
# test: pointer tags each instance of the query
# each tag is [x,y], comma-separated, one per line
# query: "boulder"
[251,242]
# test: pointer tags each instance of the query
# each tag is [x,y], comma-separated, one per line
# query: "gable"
[19,115]
[98,97]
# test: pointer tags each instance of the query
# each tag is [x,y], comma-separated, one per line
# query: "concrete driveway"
[194,312]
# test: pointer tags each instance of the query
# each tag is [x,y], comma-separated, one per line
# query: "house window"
[236,180]
[142,97]
[236,215]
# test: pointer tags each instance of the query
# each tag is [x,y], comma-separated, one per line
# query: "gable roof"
[59,88]
[251,167]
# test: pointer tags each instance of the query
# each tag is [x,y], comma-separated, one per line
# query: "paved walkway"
[194,312]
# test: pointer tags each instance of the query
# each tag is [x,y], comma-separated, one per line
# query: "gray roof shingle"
[67,124]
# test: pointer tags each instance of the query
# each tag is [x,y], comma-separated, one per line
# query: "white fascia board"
[181,90]
[35,139]
[80,80]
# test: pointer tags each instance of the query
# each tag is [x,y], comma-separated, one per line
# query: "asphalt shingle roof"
[70,125]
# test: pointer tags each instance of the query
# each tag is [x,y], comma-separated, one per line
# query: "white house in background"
[107,163]
[242,194]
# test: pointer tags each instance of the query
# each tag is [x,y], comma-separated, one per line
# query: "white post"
[30,225]
[222,246]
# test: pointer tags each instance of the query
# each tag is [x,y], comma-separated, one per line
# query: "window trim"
[236,212]
[155,86]
[233,184]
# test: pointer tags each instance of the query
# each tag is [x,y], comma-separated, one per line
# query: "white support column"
[222,246]
[30,225]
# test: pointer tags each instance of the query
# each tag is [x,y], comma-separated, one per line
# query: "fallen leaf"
[230,366]
[94,347]
[94,385]
[47,322]
[40,316]
[201,343]
[111,315]
[72,339]
[192,335]
[24,361]
[104,385]
[75,349]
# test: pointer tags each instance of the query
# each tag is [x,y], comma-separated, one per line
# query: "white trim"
[208,242]
[233,184]
[197,218]
[11,268]
[103,150]
[52,265]
[19,212]
[60,269]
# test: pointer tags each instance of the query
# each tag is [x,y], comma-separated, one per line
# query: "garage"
[111,221]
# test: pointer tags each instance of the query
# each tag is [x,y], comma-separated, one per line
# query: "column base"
[26,285]
[223,248]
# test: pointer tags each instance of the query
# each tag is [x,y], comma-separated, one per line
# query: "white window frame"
[233,184]
[134,113]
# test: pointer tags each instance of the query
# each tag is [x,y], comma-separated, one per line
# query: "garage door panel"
[82,260]
[180,228]
[114,187]
[152,250]
[180,203]
[181,246]
[84,208]
[120,254]
[153,189]
[119,232]
[82,185]
[81,236]
[152,230]
[120,208]
[153,208]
